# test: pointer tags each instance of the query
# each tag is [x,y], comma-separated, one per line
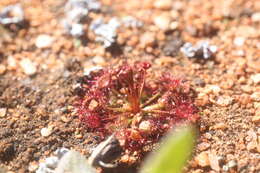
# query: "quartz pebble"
[255,96]
[12,62]
[163,4]
[145,126]
[3,112]
[232,164]
[33,166]
[224,101]
[44,41]
[46,131]
[162,21]
[239,41]
[214,161]
[147,39]
[203,146]
[99,60]
[28,66]
[202,159]
[256,78]
[2,69]
[256,119]
[256,17]
[220,126]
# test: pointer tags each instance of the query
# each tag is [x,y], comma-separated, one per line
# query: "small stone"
[239,41]
[251,146]
[163,4]
[28,66]
[77,30]
[3,112]
[2,69]
[93,104]
[203,146]
[44,41]
[174,25]
[256,17]
[255,96]
[64,119]
[33,166]
[256,78]
[162,21]
[224,101]
[214,161]
[232,164]
[256,119]
[46,131]
[208,136]
[220,126]
[244,99]
[246,88]
[78,136]
[99,60]
[12,63]
[145,126]
[202,159]
[240,53]
[147,39]
[225,168]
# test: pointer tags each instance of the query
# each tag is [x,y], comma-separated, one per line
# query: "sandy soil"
[227,85]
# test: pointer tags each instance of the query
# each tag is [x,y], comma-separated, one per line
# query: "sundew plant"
[135,104]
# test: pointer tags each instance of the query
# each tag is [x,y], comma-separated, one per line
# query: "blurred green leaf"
[175,151]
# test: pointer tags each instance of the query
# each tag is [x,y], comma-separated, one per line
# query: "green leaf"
[175,151]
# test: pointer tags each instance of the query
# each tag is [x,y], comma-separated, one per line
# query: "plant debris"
[76,14]
[201,50]
[106,32]
[12,14]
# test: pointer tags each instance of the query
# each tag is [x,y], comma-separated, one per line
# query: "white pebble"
[3,112]
[163,22]
[256,17]
[44,41]
[256,78]
[92,69]
[145,126]
[239,41]
[28,66]
[46,131]
[77,30]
